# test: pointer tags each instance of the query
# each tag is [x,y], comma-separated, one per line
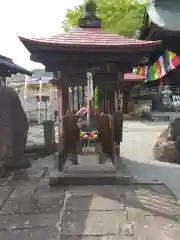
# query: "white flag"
[89,86]
[40,90]
[25,93]
[25,86]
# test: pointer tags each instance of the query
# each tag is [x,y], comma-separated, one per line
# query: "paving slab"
[24,191]
[32,206]
[94,203]
[152,203]
[46,233]
[93,223]
[89,212]
[109,237]
[47,192]
[5,193]
[110,191]
[25,221]
[153,227]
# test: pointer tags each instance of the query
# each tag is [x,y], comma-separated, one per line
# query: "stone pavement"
[30,209]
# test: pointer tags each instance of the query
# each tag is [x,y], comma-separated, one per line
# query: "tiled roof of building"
[133,77]
[89,37]
[12,67]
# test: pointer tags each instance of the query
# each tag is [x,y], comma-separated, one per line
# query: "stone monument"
[13,130]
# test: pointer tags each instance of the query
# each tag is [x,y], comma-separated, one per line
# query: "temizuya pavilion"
[90,49]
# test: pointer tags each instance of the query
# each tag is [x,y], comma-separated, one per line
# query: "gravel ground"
[138,142]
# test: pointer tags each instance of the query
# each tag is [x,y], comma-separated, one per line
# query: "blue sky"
[30,18]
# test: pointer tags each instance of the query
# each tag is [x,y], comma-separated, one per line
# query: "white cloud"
[29,18]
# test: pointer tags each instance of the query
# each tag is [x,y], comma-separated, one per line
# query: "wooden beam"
[82,67]
[53,59]
[69,79]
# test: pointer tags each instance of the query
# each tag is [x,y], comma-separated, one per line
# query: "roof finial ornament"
[89,19]
[90,7]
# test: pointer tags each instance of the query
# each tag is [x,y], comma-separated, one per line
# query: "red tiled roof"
[89,37]
[133,77]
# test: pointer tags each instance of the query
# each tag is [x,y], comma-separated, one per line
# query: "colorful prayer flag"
[142,71]
[165,63]
[156,71]
[172,59]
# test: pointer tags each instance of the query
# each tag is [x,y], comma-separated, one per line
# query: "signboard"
[176,100]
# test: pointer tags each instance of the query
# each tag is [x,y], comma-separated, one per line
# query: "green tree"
[119,16]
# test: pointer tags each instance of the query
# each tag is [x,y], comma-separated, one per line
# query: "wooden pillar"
[118,117]
[100,99]
[73,102]
[78,97]
[103,100]
[83,96]
[126,98]
[112,102]
[63,104]
[60,111]
[65,100]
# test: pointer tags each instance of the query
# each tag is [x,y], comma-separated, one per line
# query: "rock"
[174,130]
[165,149]
[13,130]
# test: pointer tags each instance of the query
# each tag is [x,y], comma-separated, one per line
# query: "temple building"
[8,68]
[162,22]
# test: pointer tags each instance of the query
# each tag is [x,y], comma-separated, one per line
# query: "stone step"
[89,163]
[89,172]
[89,178]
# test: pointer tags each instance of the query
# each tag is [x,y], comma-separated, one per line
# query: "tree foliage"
[119,16]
